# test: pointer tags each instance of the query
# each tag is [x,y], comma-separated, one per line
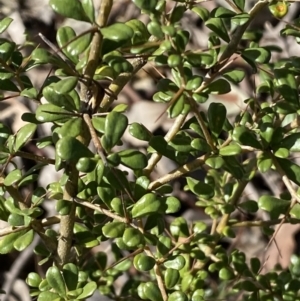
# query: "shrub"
[109,194]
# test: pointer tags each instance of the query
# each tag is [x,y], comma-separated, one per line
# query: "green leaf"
[240,19]
[65,85]
[24,241]
[72,128]
[215,162]
[235,76]
[286,84]
[24,134]
[49,113]
[257,55]
[143,262]
[218,27]
[33,279]
[56,281]
[222,12]
[295,211]
[179,296]
[291,169]
[113,229]
[88,7]
[219,86]
[291,142]
[7,242]
[200,60]
[177,263]
[273,205]
[8,85]
[233,166]
[88,290]
[63,207]
[171,277]
[48,296]
[133,237]
[70,274]
[147,204]
[139,131]
[75,45]
[117,32]
[152,292]
[226,273]
[146,5]
[115,126]
[70,149]
[216,117]
[69,8]
[141,34]
[173,205]
[4,23]
[240,4]
[244,136]
[264,162]
[230,150]
[133,159]
[202,12]
[199,188]
[6,50]
[12,177]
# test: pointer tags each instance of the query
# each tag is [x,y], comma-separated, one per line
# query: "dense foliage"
[108,193]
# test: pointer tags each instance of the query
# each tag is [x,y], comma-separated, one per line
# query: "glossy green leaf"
[63,207]
[177,263]
[141,34]
[24,241]
[113,229]
[65,85]
[4,23]
[56,281]
[291,169]
[257,55]
[295,211]
[240,4]
[152,292]
[88,7]
[222,12]
[48,296]
[216,117]
[49,113]
[234,76]
[218,27]
[249,206]
[72,128]
[24,134]
[199,188]
[202,12]
[219,86]
[8,85]
[147,204]
[84,236]
[143,262]
[88,290]
[70,149]
[33,279]
[133,159]
[226,273]
[244,136]
[115,126]
[145,5]
[139,131]
[86,164]
[171,277]
[240,19]
[273,205]
[70,273]
[178,296]
[133,237]
[7,242]
[179,228]
[69,8]
[230,150]
[291,142]
[12,177]
[173,205]
[286,84]
[215,162]
[200,60]
[6,50]
[117,32]
[233,166]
